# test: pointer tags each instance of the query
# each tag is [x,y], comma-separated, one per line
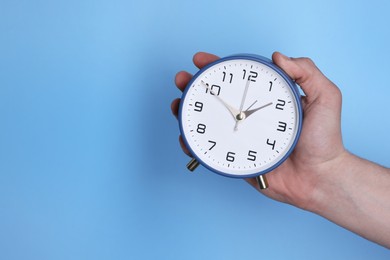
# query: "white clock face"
[240,117]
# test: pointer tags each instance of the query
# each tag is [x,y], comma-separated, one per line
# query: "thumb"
[306,74]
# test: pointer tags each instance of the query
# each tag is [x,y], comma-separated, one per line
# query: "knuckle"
[308,61]
[308,67]
[332,95]
[337,94]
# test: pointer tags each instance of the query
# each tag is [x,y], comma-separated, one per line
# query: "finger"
[175,107]
[253,182]
[306,74]
[201,59]
[181,79]
[184,147]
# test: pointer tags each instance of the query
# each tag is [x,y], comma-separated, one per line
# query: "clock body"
[241,116]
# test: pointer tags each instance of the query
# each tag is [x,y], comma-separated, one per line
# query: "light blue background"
[90,166]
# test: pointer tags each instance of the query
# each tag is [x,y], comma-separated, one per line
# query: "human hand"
[320,175]
[319,149]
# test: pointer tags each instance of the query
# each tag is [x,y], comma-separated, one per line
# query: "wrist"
[354,195]
[329,182]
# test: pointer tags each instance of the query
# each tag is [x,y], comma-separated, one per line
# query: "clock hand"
[241,116]
[251,105]
[244,95]
[250,112]
[231,109]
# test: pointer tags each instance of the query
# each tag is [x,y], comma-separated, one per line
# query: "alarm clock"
[241,117]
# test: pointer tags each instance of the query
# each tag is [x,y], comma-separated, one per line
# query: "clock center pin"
[240,116]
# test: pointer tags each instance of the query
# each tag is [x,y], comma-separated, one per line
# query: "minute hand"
[250,112]
[231,109]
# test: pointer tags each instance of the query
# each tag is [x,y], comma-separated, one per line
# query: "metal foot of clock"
[262,182]
[192,164]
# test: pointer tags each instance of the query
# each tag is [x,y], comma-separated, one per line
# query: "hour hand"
[250,112]
[231,109]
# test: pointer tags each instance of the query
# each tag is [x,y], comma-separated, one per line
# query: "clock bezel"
[290,83]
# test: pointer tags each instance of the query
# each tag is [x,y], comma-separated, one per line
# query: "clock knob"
[262,181]
[192,164]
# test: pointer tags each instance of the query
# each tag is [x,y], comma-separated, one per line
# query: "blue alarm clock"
[240,116]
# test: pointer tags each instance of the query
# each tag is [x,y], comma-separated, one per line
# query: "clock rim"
[291,84]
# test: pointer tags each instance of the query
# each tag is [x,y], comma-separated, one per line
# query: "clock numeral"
[224,77]
[214,90]
[198,106]
[280,104]
[252,75]
[252,155]
[213,144]
[282,126]
[271,144]
[270,86]
[201,129]
[230,156]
